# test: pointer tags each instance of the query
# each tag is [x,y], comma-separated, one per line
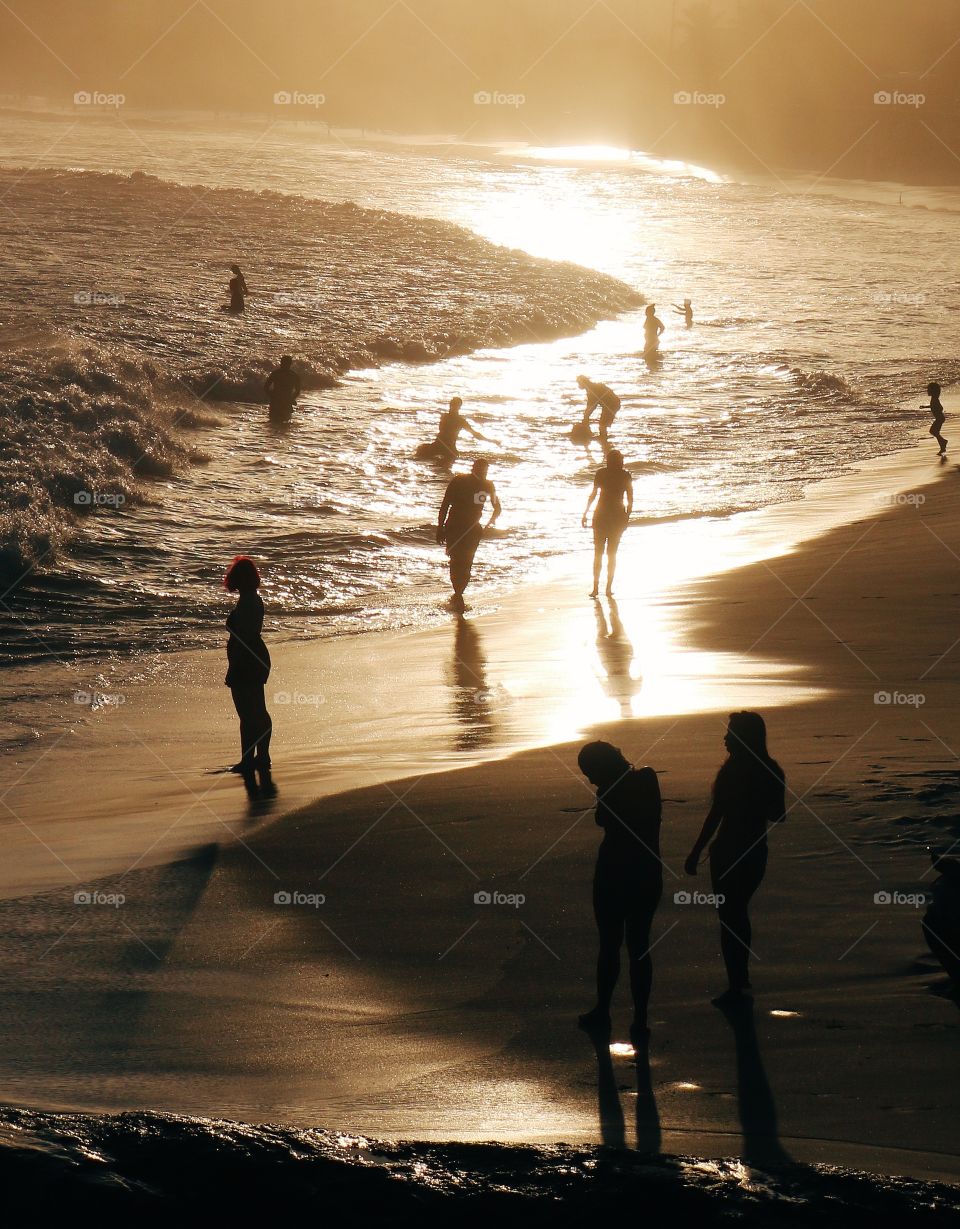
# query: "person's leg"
[613,546]
[638,928]
[610,923]
[944,952]
[245,703]
[734,886]
[599,542]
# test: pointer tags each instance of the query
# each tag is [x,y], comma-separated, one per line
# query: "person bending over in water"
[939,418]
[238,289]
[653,326]
[686,311]
[452,422]
[613,491]
[598,395]
[628,880]
[748,794]
[283,388]
[458,524]
[248,668]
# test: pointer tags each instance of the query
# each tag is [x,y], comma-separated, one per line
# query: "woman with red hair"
[248,668]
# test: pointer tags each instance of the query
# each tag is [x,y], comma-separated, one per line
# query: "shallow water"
[815,320]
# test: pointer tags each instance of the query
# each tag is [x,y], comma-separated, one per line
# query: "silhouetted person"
[748,794]
[653,326]
[283,387]
[248,668]
[238,289]
[936,409]
[444,447]
[628,880]
[459,523]
[602,398]
[613,491]
[941,923]
[686,311]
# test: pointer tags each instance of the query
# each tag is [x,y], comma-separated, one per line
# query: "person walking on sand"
[653,327]
[939,418]
[613,491]
[748,794]
[283,387]
[459,523]
[627,882]
[238,290]
[248,668]
[686,311]
[598,396]
[452,422]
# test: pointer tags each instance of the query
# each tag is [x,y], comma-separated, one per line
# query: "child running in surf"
[936,409]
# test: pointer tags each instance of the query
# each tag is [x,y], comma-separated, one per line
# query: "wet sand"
[398,1006]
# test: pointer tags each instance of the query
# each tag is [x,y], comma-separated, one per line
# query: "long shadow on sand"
[612,1123]
[79,967]
[755,1104]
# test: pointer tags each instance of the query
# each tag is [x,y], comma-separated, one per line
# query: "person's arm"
[593,495]
[628,490]
[495,505]
[710,826]
[442,517]
[269,383]
[592,403]
[297,386]
[477,435]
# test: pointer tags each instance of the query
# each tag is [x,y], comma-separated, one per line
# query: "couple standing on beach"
[749,793]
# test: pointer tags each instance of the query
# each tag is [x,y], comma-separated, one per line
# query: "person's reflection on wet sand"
[755,1104]
[471,694]
[612,1125]
[616,657]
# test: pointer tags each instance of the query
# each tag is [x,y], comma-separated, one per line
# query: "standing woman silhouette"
[248,668]
[748,794]
[627,882]
[238,290]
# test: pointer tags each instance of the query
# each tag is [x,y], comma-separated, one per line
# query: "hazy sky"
[777,76]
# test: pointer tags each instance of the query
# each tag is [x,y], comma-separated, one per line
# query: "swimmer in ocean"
[686,311]
[599,396]
[283,388]
[452,422]
[653,326]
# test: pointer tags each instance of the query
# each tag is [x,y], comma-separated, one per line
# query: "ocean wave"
[210,1171]
[124,345]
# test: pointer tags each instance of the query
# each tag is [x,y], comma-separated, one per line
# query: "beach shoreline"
[400,1008]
